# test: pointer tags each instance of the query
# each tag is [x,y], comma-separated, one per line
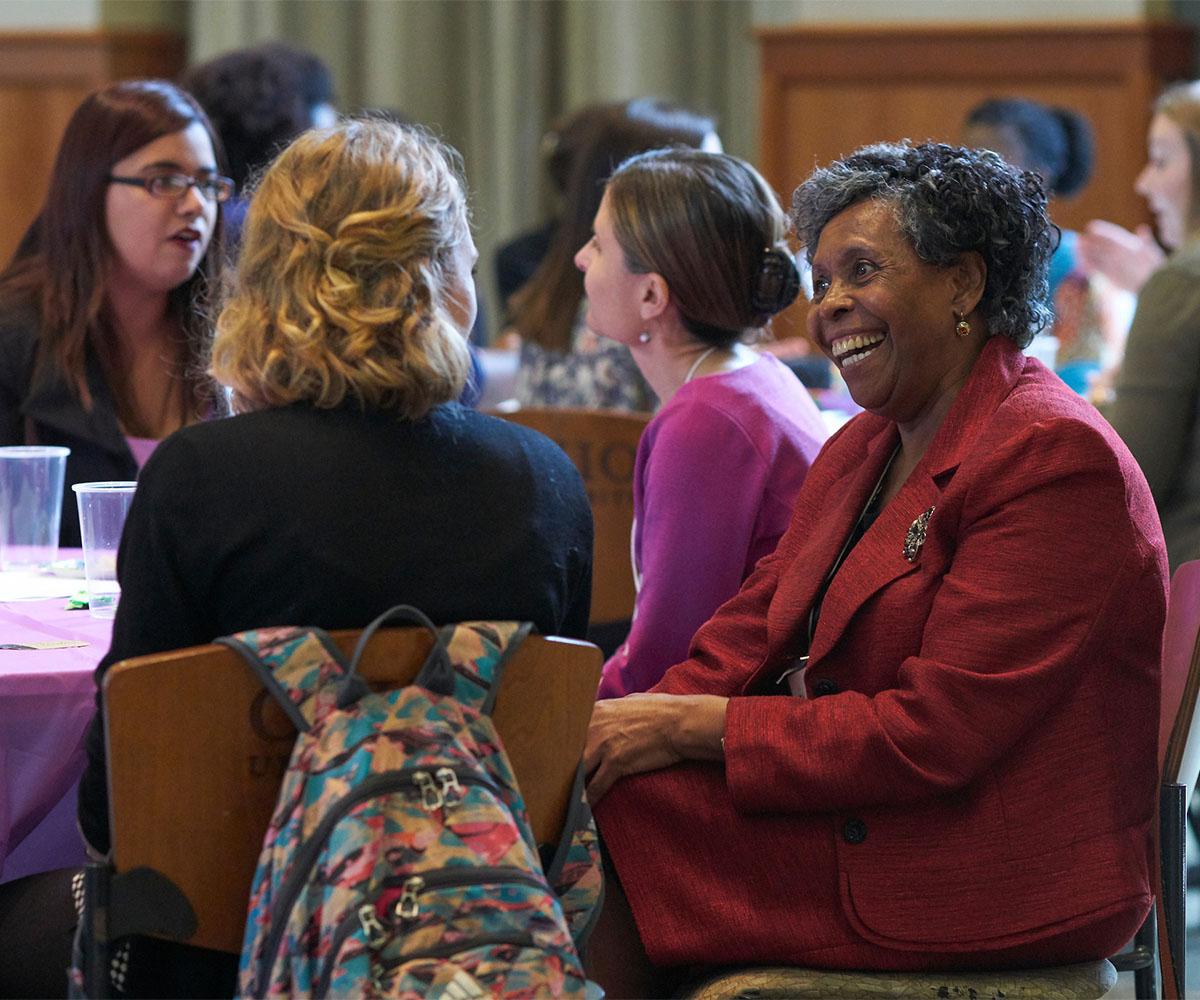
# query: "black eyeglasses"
[172,187]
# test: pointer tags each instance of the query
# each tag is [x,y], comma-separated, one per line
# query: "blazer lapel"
[879,557]
[874,562]
[818,543]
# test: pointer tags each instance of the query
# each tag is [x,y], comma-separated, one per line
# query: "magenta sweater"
[717,470]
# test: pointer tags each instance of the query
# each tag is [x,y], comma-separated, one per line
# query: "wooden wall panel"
[827,90]
[43,77]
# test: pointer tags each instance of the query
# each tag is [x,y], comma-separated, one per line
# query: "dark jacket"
[300,516]
[47,411]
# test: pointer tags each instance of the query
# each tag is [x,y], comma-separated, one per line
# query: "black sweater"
[299,516]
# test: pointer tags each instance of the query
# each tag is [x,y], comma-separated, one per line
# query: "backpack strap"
[574,868]
[479,653]
[436,674]
[305,672]
[579,814]
[297,666]
[466,663]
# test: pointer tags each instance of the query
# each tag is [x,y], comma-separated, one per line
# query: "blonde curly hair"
[340,289]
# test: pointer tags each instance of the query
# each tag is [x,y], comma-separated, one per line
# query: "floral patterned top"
[597,374]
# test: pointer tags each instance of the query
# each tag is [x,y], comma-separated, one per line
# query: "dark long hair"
[544,310]
[63,264]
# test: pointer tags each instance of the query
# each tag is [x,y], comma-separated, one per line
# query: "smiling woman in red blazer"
[923,733]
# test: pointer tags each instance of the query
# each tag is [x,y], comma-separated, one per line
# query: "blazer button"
[824,686]
[854,831]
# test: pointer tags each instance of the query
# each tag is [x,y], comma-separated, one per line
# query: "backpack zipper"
[399,780]
[407,908]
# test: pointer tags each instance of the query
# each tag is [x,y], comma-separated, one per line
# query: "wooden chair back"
[197,750]
[603,446]
[1162,938]
[1179,725]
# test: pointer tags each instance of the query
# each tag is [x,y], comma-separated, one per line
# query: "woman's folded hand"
[645,732]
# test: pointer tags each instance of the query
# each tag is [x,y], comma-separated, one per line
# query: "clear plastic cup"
[102,510]
[31,492]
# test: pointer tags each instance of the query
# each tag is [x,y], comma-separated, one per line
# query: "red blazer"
[972,777]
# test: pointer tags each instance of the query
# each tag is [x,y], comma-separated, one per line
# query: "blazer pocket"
[983,904]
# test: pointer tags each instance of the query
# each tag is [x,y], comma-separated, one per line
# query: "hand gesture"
[1124,258]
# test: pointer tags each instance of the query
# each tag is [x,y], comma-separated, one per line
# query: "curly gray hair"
[949,201]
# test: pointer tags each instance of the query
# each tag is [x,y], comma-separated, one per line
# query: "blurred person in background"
[101,333]
[518,259]
[1058,144]
[259,99]
[1156,398]
[562,362]
[102,341]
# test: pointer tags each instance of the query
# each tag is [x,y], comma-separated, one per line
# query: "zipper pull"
[407,907]
[431,798]
[452,791]
[371,924]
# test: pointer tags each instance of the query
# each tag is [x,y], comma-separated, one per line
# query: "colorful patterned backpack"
[400,861]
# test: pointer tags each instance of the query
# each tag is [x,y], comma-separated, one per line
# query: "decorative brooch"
[916,536]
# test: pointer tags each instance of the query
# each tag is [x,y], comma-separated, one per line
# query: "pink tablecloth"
[46,703]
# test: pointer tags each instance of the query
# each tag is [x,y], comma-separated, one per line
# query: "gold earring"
[962,328]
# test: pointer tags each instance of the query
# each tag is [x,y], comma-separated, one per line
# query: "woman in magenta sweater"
[686,265]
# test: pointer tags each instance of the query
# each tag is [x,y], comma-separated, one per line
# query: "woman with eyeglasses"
[100,334]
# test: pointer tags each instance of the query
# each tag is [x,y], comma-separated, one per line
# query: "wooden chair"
[197,750]
[1179,760]
[603,446]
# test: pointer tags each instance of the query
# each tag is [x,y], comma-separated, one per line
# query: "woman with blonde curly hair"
[348,480]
